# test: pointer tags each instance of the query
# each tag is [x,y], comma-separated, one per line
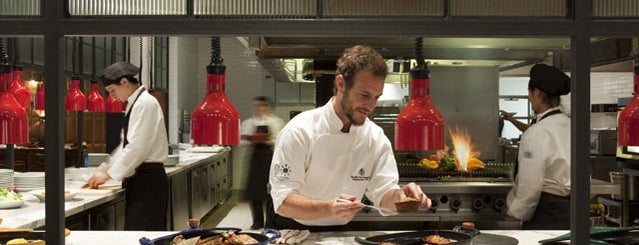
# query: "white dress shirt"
[544,164]
[146,136]
[315,159]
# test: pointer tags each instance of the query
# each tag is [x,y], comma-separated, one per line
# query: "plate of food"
[10,198]
[68,194]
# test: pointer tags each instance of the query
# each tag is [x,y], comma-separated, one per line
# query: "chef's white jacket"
[314,158]
[274,124]
[146,135]
[544,164]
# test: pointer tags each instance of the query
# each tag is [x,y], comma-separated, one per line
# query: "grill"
[493,172]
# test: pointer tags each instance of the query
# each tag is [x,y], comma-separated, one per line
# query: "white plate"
[69,194]
[11,204]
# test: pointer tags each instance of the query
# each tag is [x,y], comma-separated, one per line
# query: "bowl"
[11,204]
[68,194]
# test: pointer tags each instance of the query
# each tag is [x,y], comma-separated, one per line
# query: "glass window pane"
[68,61]
[87,59]
[107,43]
[38,54]
[24,47]
[100,59]
[100,42]
[307,93]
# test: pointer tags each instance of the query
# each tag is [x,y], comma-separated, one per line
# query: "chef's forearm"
[303,208]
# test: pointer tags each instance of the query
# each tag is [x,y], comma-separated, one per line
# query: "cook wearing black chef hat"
[540,195]
[549,79]
[136,162]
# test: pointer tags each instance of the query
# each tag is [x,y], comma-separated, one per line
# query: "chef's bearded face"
[361,98]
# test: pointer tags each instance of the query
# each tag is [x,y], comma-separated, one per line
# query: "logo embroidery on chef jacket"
[361,176]
[282,171]
[528,154]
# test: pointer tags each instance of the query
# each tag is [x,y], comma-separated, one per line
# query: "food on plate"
[447,164]
[226,238]
[474,163]
[65,192]
[9,194]
[388,243]
[437,239]
[428,164]
[17,241]
[407,204]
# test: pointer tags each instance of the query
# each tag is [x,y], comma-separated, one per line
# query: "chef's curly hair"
[360,58]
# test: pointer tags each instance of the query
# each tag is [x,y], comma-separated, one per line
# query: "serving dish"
[68,194]
[11,204]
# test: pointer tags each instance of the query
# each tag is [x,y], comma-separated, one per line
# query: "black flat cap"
[549,79]
[115,71]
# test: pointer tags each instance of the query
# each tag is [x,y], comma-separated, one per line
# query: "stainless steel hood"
[504,53]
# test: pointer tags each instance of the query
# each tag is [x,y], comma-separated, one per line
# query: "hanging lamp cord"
[419,55]
[216,51]
[4,58]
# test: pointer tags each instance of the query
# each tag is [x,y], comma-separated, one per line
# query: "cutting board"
[103,190]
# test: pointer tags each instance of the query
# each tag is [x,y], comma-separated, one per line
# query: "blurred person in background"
[259,132]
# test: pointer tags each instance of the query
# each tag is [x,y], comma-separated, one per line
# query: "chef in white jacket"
[139,160]
[335,152]
[540,195]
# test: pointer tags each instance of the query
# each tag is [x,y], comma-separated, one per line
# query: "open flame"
[463,149]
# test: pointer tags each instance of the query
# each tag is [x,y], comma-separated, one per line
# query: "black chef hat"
[549,79]
[113,73]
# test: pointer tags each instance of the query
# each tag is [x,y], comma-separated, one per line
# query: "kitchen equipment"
[415,237]
[603,142]
[598,234]
[263,238]
[477,196]
[633,185]
[68,194]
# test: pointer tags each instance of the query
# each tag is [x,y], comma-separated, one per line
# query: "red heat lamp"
[39,100]
[18,90]
[215,121]
[628,124]
[75,99]
[420,126]
[14,124]
[113,105]
[95,102]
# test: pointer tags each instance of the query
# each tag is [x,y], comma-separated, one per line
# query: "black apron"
[147,191]
[553,211]
[260,165]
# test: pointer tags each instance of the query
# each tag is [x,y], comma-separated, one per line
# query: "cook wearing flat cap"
[540,195]
[139,160]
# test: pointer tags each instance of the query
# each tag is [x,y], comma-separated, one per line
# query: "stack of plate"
[29,181]
[6,178]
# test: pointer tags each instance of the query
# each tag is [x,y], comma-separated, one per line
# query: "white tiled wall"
[606,87]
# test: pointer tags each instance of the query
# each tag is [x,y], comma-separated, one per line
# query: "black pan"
[414,237]
[263,239]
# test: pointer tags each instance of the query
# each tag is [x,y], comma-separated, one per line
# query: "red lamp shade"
[18,90]
[215,121]
[13,118]
[75,99]
[39,100]
[95,102]
[113,105]
[419,126]
[628,124]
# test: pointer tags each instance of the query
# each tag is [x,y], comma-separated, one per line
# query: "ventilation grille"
[514,8]
[615,8]
[18,8]
[256,8]
[126,7]
[358,8]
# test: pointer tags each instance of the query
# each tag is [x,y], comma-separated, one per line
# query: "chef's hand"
[100,177]
[415,191]
[345,210]
[506,116]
